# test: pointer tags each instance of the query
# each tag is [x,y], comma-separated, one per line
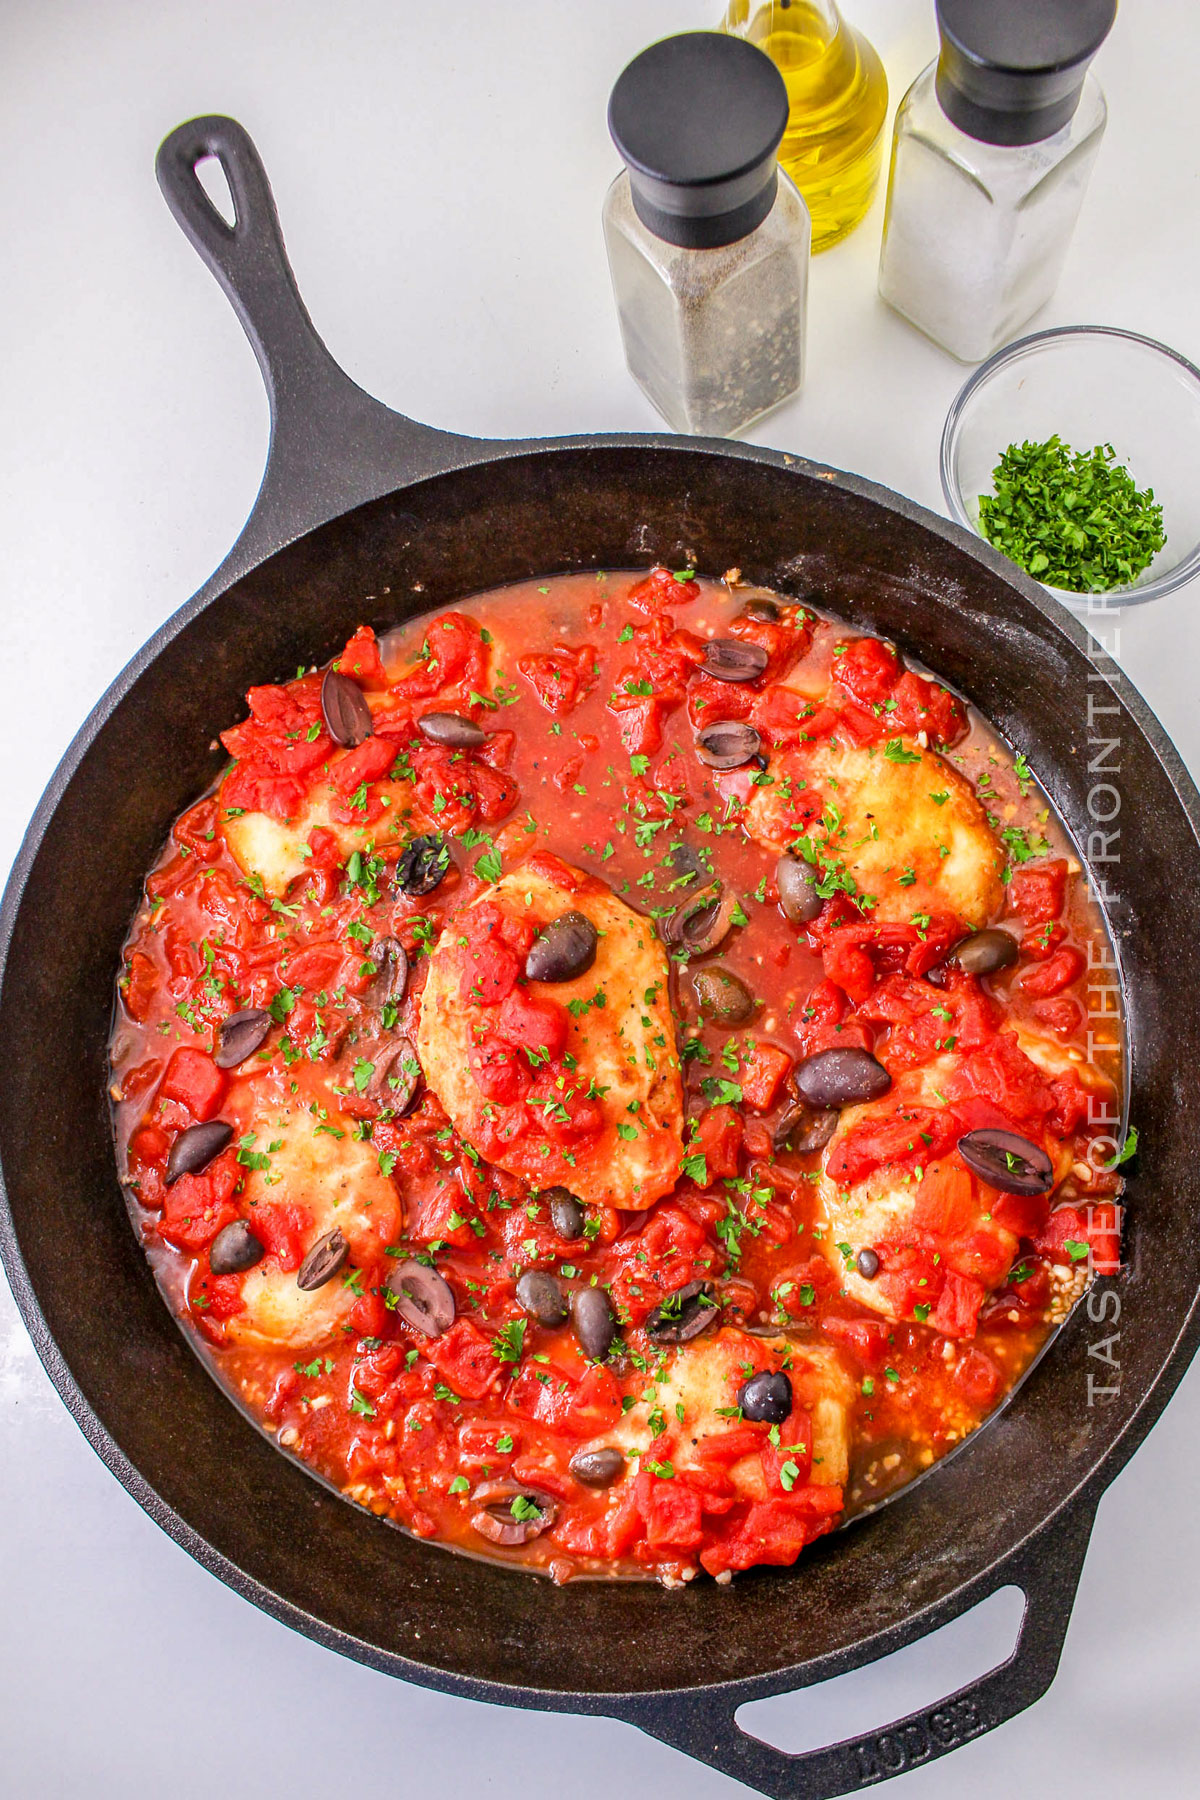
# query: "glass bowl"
[1092,384]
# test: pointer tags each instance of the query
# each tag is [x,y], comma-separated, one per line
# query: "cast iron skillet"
[365,515]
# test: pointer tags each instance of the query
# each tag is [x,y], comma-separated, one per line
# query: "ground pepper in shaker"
[708,240]
[992,151]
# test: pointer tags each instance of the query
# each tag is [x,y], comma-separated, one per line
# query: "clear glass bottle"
[837,105]
[708,241]
[993,147]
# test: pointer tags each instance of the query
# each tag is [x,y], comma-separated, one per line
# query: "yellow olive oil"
[837,94]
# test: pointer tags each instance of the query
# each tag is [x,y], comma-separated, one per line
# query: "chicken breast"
[698,1383]
[315,1165]
[900,820]
[938,1202]
[276,850]
[619,1055]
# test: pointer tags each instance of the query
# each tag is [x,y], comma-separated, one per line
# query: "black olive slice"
[344,708]
[797,881]
[424,1299]
[701,921]
[1007,1162]
[802,1130]
[323,1261]
[423,865]
[240,1035]
[592,1318]
[566,1212]
[723,996]
[983,952]
[565,949]
[731,659]
[834,1078]
[453,730]
[510,1514]
[727,744]
[542,1298]
[597,1468]
[391,973]
[196,1147]
[766,1397]
[683,1314]
[234,1249]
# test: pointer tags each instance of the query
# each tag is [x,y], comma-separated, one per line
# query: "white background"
[439,171]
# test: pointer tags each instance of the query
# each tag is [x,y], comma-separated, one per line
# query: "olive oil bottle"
[837,103]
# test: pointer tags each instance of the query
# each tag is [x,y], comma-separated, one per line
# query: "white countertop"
[439,174]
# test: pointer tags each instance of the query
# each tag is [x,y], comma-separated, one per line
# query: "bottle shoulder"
[785,232]
[1004,170]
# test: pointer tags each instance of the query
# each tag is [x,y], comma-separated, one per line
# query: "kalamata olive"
[762,608]
[592,1317]
[730,659]
[542,1298]
[867,1264]
[841,1078]
[510,1514]
[344,708]
[566,1212]
[323,1261]
[766,1397]
[453,730]
[683,1315]
[424,1299]
[701,921]
[984,952]
[797,881]
[240,1035]
[565,949]
[395,1076]
[1007,1162]
[423,865]
[597,1468]
[391,974]
[687,866]
[235,1248]
[196,1147]
[727,744]
[801,1130]
[723,996]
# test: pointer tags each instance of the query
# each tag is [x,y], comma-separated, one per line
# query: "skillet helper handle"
[1047,1569]
[332,445]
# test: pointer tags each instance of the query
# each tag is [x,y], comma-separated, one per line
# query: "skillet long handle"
[1047,1569]
[332,445]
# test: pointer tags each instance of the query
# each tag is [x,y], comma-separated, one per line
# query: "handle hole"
[914,1679]
[210,173]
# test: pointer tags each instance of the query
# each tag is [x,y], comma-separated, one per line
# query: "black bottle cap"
[697,119]
[1011,71]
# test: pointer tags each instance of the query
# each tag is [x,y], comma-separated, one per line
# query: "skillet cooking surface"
[438,518]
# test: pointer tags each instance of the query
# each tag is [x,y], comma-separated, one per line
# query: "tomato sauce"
[591,692]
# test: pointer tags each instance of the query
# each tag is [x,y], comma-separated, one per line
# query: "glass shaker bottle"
[992,151]
[837,97]
[708,240]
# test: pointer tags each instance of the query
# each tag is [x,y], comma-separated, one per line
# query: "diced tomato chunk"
[1037,893]
[371,760]
[499,1071]
[463,1355]
[1064,967]
[535,1022]
[764,1071]
[193,1078]
[196,1207]
[360,659]
[719,1136]
[958,1305]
